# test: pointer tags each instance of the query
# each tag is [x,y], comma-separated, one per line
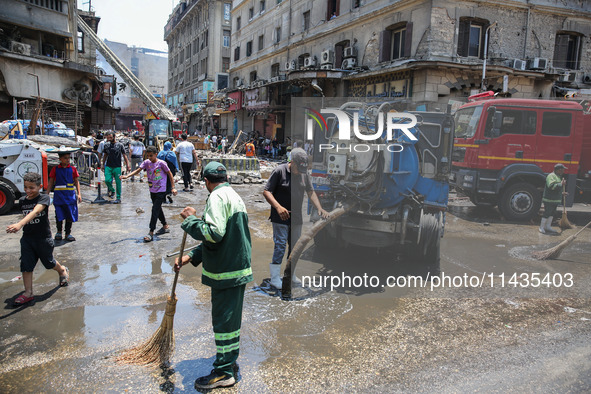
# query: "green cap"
[214,168]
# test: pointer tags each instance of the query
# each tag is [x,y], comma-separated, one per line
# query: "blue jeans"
[284,235]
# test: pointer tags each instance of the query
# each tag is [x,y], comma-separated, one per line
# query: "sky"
[133,22]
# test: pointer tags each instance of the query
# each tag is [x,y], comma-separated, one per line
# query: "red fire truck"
[504,148]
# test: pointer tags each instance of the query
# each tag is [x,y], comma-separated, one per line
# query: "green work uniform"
[225,253]
[552,194]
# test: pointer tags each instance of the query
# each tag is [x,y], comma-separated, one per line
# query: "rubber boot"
[542,228]
[276,280]
[548,227]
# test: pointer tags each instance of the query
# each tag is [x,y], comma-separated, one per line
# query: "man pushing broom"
[225,252]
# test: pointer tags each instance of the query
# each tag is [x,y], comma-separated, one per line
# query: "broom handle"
[581,230]
[563,199]
[176,275]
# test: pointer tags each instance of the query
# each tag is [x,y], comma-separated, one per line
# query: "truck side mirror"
[497,122]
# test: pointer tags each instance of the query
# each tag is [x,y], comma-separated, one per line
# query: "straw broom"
[564,223]
[554,253]
[159,348]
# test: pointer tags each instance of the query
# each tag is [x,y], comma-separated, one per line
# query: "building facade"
[428,52]
[150,66]
[42,53]
[198,37]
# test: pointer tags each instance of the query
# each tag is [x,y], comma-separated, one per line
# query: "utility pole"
[482,86]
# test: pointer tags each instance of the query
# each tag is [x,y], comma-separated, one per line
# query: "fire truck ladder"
[125,73]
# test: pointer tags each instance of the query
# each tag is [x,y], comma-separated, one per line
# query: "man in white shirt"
[224,144]
[137,149]
[186,153]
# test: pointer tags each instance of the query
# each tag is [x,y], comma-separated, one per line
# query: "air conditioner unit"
[274,79]
[518,64]
[19,47]
[350,52]
[349,64]
[327,66]
[239,83]
[565,77]
[587,78]
[291,65]
[310,61]
[327,57]
[537,63]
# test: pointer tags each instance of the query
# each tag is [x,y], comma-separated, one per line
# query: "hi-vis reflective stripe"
[229,348]
[224,336]
[228,275]
[467,145]
[69,186]
[530,160]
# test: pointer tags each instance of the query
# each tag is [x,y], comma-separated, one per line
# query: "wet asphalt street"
[351,339]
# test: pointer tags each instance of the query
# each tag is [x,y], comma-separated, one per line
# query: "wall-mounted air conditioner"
[21,48]
[537,63]
[518,64]
[587,79]
[567,77]
[349,64]
[327,57]
[310,61]
[327,66]
[291,65]
[350,52]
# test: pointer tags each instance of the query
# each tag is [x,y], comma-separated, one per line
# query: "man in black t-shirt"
[112,154]
[285,192]
[36,242]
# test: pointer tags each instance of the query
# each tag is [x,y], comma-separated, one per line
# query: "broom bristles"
[159,348]
[564,223]
[554,253]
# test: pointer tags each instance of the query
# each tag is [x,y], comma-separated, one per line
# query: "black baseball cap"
[299,157]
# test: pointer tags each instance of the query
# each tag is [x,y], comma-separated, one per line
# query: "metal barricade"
[88,166]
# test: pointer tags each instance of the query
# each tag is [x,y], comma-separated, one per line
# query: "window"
[302,59]
[567,51]
[227,11]
[275,70]
[188,51]
[225,64]
[278,34]
[306,20]
[471,37]
[253,76]
[356,4]
[556,124]
[262,6]
[518,122]
[332,9]
[206,38]
[181,56]
[261,42]
[249,48]
[195,71]
[195,46]
[238,21]
[339,52]
[236,53]
[396,41]
[80,42]
[250,13]
[226,39]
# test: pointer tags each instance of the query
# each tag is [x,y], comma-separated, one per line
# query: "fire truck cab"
[504,149]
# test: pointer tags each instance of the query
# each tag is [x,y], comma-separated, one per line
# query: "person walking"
[284,191]
[187,153]
[137,154]
[36,242]
[156,170]
[552,198]
[250,149]
[112,153]
[167,155]
[225,252]
[63,179]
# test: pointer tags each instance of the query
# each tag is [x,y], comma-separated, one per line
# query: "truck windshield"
[467,121]
[159,127]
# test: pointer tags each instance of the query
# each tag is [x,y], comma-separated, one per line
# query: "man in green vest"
[225,252]
[552,197]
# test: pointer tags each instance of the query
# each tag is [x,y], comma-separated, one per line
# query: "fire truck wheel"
[520,201]
[7,198]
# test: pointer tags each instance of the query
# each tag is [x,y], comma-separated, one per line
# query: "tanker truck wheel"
[7,198]
[520,202]
[425,255]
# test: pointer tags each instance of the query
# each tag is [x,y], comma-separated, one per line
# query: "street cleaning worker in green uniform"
[225,252]
[552,197]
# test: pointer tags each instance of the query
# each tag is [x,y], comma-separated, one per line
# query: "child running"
[66,195]
[154,168]
[36,242]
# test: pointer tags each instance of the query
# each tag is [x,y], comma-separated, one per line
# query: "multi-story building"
[150,66]
[198,36]
[41,39]
[426,51]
